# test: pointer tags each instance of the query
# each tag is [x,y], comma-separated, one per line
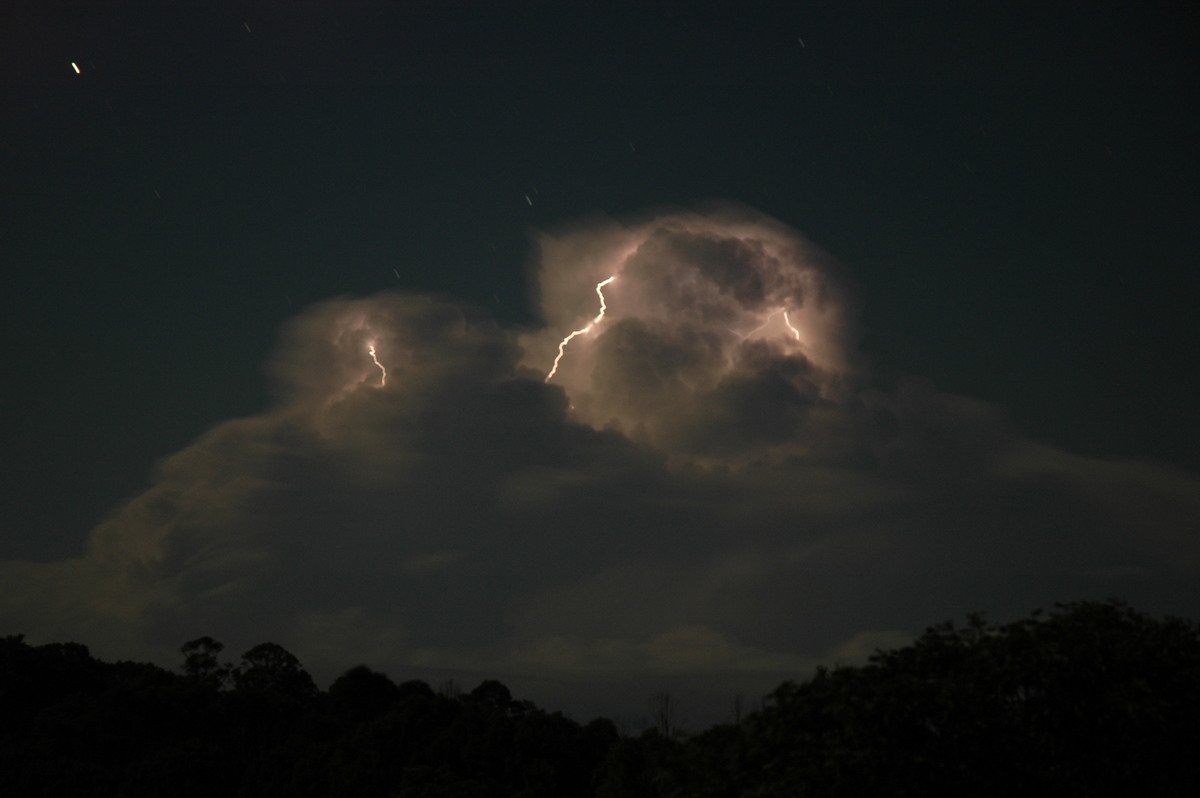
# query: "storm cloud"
[713,492]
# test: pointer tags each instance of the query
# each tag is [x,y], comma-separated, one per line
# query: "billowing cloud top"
[712,337]
[689,479]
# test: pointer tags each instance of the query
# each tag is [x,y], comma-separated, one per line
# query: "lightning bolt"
[764,325]
[382,370]
[788,322]
[562,346]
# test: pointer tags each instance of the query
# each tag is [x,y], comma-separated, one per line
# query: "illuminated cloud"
[722,336]
[708,494]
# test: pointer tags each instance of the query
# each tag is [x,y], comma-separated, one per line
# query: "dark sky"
[1009,191]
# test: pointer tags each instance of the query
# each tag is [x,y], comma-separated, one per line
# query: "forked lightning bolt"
[562,346]
[382,370]
[786,321]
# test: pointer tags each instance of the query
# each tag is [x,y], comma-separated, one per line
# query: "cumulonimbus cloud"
[712,489]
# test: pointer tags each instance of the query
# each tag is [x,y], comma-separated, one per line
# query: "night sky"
[981,216]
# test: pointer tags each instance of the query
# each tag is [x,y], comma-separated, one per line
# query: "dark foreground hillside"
[1094,699]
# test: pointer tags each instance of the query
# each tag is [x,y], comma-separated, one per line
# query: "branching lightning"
[382,370]
[767,323]
[562,346]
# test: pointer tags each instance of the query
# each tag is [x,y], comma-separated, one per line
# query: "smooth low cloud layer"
[711,494]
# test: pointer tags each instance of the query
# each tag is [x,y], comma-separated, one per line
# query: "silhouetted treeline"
[1094,699]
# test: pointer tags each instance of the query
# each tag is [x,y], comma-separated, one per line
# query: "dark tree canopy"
[1092,699]
[200,662]
[271,667]
[362,693]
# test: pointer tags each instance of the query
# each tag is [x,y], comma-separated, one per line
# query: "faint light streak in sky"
[562,346]
[767,323]
[382,370]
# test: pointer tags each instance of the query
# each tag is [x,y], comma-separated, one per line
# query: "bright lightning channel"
[767,323]
[788,322]
[562,346]
[382,370]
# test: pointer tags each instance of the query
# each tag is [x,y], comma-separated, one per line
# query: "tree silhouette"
[1092,699]
[663,709]
[361,694]
[200,662]
[271,667]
